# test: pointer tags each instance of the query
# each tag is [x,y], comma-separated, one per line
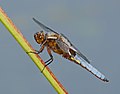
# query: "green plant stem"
[27,48]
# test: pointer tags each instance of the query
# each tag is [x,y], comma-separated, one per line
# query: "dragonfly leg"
[36,51]
[41,49]
[49,61]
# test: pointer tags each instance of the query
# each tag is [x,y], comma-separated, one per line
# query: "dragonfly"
[60,44]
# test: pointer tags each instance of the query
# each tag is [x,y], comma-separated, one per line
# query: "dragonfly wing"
[47,29]
[80,54]
[63,46]
[90,68]
[65,41]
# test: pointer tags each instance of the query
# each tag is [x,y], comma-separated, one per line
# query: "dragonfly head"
[39,37]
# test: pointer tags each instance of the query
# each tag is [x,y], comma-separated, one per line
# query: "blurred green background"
[93,26]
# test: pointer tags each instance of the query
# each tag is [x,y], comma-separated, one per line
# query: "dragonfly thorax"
[39,37]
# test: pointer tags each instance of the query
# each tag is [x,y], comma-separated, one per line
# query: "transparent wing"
[44,27]
[65,44]
[80,54]
[90,68]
